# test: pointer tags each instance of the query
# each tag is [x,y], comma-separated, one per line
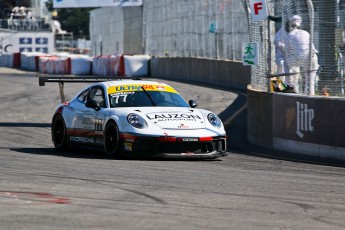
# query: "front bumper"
[175,147]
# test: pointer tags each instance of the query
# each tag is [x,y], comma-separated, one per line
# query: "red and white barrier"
[112,65]
[16,60]
[6,60]
[136,65]
[81,66]
[29,60]
[55,65]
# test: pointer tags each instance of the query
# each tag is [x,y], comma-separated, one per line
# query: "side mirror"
[93,105]
[192,103]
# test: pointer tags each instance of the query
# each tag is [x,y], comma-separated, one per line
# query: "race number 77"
[118,96]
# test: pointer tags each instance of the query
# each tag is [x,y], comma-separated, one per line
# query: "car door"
[97,94]
[88,122]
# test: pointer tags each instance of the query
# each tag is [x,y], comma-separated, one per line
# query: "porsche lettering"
[82,139]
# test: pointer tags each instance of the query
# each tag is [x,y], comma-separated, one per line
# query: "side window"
[99,97]
[96,93]
[83,96]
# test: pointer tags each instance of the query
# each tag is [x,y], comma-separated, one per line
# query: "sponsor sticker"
[187,139]
[173,117]
[128,146]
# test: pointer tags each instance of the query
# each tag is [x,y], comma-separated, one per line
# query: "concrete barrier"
[259,118]
[294,123]
[230,74]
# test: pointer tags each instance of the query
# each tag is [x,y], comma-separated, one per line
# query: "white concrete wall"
[116,30]
[176,28]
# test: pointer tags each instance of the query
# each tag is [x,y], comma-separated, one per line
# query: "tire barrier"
[6,60]
[16,60]
[55,65]
[110,65]
[29,60]
[62,63]
[81,66]
[136,65]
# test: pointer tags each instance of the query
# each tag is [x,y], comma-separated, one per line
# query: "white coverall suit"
[280,51]
[297,55]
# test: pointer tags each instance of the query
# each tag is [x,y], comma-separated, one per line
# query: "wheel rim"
[59,132]
[111,140]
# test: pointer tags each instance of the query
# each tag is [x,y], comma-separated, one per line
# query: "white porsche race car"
[138,117]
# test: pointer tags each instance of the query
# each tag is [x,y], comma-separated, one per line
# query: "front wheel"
[111,139]
[59,133]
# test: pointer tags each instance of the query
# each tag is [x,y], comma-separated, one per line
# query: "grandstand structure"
[28,29]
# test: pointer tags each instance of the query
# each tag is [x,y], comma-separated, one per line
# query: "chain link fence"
[194,28]
[324,22]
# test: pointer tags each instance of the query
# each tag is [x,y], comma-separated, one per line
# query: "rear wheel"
[59,133]
[111,139]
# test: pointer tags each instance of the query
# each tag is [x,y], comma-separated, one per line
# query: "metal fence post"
[269,56]
[311,24]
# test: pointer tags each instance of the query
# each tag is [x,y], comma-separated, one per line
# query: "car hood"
[175,118]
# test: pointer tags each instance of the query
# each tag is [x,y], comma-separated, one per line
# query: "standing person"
[280,61]
[297,56]
[279,44]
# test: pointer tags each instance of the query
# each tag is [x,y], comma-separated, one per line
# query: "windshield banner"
[137,87]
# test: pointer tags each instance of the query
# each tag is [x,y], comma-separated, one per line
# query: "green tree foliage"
[6,6]
[12,3]
[75,20]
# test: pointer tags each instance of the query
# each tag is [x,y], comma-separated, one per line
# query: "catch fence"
[325,22]
[195,28]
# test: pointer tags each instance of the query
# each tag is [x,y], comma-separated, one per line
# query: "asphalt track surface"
[41,188]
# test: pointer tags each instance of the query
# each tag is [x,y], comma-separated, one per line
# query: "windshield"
[146,98]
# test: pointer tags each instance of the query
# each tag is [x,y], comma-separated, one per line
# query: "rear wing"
[61,80]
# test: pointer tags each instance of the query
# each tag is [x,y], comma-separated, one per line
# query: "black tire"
[111,139]
[59,133]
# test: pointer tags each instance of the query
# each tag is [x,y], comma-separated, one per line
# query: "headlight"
[214,120]
[136,121]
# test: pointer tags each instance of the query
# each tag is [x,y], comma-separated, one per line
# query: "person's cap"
[295,20]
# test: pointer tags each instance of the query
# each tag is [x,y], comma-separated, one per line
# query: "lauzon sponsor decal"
[173,117]
[304,118]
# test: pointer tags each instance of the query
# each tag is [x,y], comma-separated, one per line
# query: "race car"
[138,117]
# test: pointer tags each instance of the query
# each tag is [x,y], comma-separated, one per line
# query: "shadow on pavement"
[25,124]
[92,153]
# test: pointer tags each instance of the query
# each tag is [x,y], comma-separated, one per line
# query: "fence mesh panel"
[195,28]
[324,21]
